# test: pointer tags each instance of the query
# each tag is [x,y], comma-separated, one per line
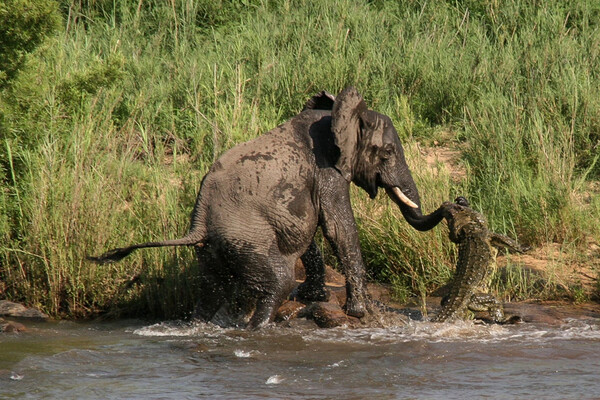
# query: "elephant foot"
[307,292]
[355,308]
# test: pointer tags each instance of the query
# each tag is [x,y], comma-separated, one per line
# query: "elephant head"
[372,156]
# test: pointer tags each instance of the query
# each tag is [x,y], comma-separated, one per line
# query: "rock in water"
[12,327]
[328,315]
[289,310]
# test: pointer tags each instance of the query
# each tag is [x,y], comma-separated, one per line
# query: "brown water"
[420,360]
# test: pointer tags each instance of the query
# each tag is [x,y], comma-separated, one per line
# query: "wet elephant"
[261,203]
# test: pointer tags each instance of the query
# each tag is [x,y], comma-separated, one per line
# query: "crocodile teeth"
[403,198]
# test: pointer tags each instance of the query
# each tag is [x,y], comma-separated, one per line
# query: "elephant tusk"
[403,198]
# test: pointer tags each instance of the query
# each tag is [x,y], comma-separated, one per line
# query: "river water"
[417,360]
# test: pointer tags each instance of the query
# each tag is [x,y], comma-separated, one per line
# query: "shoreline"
[14,317]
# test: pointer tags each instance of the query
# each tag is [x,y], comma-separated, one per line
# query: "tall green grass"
[111,123]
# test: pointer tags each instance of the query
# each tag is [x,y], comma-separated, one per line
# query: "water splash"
[16,377]
[461,331]
[400,331]
[245,353]
[274,380]
[178,329]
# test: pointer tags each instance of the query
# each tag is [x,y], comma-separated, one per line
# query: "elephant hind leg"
[208,304]
[275,284]
[212,295]
[313,288]
[266,307]
[267,303]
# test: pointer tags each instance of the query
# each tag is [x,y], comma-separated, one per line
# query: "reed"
[111,123]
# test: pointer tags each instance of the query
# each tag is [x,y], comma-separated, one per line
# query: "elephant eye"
[386,152]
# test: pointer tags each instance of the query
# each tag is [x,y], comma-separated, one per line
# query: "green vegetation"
[25,24]
[108,125]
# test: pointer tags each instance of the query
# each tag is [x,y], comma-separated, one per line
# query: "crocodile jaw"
[402,197]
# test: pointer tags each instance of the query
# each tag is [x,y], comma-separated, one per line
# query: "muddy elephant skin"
[261,203]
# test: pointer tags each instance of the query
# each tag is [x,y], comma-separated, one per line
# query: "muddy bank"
[531,311]
[330,314]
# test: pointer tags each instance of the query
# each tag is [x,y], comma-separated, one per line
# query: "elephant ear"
[320,101]
[345,124]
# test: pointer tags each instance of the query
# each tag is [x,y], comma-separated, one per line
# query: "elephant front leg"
[313,288]
[339,227]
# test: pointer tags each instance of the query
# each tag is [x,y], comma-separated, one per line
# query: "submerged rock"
[328,315]
[553,312]
[289,310]
[11,326]
[324,314]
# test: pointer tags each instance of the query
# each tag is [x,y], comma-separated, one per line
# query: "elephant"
[260,205]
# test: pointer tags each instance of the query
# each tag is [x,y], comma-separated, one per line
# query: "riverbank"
[15,317]
[389,314]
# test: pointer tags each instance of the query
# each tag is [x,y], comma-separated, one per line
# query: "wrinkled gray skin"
[260,204]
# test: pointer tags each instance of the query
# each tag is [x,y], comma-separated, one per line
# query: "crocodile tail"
[461,290]
[504,242]
[118,254]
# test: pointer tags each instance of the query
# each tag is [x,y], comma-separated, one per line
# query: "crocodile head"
[464,222]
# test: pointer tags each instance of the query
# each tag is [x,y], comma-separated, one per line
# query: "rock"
[339,295]
[9,308]
[300,323]
[289,310]
[324,314]
[332,277]
[299,273]
[16,310]
[12,327]
[328,315]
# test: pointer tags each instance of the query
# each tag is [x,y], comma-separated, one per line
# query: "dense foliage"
[108,125]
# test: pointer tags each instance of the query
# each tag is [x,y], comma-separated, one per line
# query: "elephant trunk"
[412,211]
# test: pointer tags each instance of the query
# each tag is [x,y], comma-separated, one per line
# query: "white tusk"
[403,198]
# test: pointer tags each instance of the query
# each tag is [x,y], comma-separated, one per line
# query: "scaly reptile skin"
[476,259]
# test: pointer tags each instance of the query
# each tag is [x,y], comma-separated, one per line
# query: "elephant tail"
[118,254]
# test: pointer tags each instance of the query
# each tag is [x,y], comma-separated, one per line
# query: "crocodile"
[477,249]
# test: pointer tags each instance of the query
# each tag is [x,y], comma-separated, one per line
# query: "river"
[419,360]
